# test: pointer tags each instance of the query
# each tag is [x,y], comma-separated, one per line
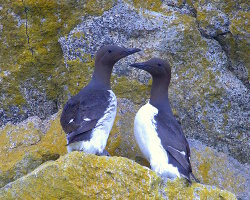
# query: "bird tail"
[196,180]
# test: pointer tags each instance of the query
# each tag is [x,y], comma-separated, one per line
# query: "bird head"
[158,68]
[108,55]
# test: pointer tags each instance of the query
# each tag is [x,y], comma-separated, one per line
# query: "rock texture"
[216,168]
[25,146]
[47,56]
[81,176]
[206,43]
[31,60]
[227,22]
[205,93]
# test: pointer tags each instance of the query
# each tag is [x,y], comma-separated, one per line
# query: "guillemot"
[87,118]
[157,132]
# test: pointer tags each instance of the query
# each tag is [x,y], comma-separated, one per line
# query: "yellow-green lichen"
[195,75]
[114,140]
[94,7]
[179,189]
[25,146]
[121,140]
[154,5]
[210,168]
[30,49]
[76,75]
[205,17]
[81,176]
[235,42]
[84,176]
[131,89]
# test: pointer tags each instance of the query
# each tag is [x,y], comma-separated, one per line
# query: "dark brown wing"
[174,142]
[82,112]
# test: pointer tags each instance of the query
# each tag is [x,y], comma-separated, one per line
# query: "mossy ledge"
[83,176]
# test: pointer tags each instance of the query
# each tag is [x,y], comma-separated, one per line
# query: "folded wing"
[82,112]
[174,142]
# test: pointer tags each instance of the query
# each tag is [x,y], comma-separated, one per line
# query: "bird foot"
[104,153]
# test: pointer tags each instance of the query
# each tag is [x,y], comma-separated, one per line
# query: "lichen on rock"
[82,176]
[31,56]
[228,22]
[48,55]
[218,169]
[26,145]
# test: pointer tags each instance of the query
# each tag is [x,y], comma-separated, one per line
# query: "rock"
[204,92]
[205,42]
[47,56]
[209,166]
[121,141]
[31,57]
[218,169]
[227,23]
[25,146]
[82,176]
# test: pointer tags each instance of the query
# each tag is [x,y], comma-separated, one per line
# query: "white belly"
[150,144]
[100,133]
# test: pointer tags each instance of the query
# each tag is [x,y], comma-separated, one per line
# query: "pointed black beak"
[132,51]
[142,65]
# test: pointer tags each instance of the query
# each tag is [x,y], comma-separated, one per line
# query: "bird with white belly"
[157,132]
[87,118]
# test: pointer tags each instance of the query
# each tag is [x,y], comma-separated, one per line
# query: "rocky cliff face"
[25,146]
[47,56]
[81,176]
[206,44]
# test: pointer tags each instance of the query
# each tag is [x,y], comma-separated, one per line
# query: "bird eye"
[109,51]
[159,64]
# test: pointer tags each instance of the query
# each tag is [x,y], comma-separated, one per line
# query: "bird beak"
[132,51]
[142,66]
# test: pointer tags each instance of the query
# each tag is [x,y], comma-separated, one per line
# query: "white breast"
[100,133]
[149,142]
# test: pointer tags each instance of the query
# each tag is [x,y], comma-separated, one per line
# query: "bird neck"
[101,77]
[159,96]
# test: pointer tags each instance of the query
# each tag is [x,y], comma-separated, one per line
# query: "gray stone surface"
[216,168]
[211,102]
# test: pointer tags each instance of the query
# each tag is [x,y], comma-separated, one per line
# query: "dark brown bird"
[88,117]
[158,134]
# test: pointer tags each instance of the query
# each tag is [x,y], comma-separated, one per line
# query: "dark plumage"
[162,126]
[87,104]
[88,117]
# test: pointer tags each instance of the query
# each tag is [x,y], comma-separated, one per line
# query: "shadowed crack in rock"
[26,27]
